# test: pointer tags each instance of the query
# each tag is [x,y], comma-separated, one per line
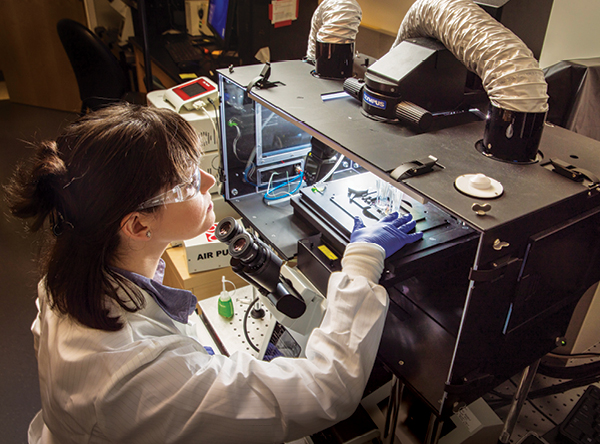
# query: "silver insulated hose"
[334,21]
[509,72]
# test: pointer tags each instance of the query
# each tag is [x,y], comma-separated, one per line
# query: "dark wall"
[256,31]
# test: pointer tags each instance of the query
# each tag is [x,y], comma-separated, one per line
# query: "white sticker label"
[468,419]
[283,10]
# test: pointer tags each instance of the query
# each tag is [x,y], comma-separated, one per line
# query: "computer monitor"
[221,17]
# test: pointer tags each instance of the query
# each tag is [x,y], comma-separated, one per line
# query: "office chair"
[100,77]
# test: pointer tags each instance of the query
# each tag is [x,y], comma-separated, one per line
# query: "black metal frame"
[530,258]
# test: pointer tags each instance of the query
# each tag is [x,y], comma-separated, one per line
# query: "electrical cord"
[237,137]
[330,173]
[245,323]
[248,172]
[268,195]
[219,140]
[576,376]
[579,371]
[250,167]
[211,101]
[575,355]
[235,123]
[562,387]
[202,107]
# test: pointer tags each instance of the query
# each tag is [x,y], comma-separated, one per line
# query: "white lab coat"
[153,382]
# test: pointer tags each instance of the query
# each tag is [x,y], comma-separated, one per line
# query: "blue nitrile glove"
[391,232]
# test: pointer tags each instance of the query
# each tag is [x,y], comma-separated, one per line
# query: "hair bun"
[34,191]
[48,164]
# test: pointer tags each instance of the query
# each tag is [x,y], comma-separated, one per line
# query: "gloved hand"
[391,232]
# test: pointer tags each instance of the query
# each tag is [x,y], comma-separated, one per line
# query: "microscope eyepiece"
[246,249]
[239,245]
[227,229]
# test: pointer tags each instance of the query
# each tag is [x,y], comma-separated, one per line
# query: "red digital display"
[193,89]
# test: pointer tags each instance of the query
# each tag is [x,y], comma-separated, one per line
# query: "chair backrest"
[100,77]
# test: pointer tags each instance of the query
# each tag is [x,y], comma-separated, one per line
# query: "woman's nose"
[206,181]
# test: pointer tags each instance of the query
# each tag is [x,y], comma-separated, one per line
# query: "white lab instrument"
[202,118]
[196,17]
[193,95]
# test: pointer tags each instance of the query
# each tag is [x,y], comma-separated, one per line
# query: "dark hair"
[99,170]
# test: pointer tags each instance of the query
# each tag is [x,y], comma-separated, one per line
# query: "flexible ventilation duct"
[510,74]
[331,41]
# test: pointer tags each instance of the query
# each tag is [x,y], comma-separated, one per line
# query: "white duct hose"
[334,21]
[510,74]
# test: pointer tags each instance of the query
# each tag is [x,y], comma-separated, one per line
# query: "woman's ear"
[135,226]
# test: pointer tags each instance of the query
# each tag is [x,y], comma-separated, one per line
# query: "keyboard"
[582,425]
[183,52]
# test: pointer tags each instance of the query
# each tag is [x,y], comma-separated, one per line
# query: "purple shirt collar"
[176,303]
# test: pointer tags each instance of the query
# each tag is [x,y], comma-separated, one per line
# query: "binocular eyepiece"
[257,264]
[248,250]
[227,229]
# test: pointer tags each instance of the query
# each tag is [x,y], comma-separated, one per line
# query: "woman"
[118,360]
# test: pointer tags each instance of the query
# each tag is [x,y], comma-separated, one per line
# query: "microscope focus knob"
[414,115]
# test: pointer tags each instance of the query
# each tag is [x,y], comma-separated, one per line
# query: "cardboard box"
[204,285]
[205,252]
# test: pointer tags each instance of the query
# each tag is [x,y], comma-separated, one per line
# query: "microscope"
[295,303]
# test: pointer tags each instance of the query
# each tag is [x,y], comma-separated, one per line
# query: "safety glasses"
[180,193]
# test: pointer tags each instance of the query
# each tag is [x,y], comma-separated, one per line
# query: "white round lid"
[479,185]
